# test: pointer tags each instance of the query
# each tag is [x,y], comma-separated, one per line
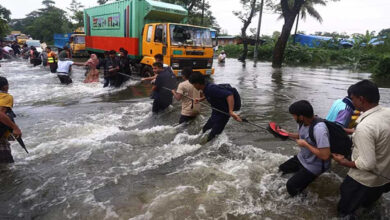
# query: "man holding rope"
[221,101]
[186,92]
[368,176]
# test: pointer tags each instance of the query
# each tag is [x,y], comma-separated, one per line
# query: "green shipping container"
[120,24]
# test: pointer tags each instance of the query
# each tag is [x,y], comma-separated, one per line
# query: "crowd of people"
[369,174]
[116,70]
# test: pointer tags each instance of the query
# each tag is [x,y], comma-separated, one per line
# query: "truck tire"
[147,71]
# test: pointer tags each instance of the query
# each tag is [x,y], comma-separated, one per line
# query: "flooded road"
[100,154]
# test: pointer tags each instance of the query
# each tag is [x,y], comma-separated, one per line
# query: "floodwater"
[100,154]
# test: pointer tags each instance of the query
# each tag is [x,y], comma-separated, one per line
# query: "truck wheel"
[147,71]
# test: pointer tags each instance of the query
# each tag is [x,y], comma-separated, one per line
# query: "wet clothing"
[63,71]
[184,118]
[124,68]
[216,96]
[5,151]
[341,112]
[310,161]
[163,97]
[110,78]
[35,58]
[306,165]
[16,49]
[301,179]
[354,195]
[188,107]
[52,61]
[371,154]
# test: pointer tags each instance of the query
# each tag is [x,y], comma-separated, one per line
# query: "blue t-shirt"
[310,161]
[341,112]
[216,96]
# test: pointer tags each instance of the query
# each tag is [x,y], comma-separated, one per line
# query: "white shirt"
[64,67]
[371,152]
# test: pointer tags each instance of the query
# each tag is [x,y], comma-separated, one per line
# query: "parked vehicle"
[75,41]
[146,28]
[36,44]
[21,39]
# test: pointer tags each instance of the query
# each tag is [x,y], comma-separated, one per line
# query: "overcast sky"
[350,16]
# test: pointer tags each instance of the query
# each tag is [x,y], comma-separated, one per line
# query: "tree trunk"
[289,15]
[296,28]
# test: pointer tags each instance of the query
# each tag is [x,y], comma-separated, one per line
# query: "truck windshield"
[190,36]
[79,40]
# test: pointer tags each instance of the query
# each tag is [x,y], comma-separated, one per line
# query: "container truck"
[146,28]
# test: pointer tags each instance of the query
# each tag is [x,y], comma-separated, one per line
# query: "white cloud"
[349,16]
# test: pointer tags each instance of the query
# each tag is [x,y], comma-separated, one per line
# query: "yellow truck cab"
[21,39]
[145,28]
[77,45]
[181,45]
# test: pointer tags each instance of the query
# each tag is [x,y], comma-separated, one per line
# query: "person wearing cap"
[6,123]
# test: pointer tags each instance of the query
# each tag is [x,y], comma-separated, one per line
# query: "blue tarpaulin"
[310,40]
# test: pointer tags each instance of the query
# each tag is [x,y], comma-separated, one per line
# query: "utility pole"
[202,14]
[258,33]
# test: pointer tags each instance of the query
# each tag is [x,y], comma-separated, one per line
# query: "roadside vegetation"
[368,58]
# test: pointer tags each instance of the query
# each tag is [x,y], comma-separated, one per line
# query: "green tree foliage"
[195,8]
[4,19]
[249,10]
[289,10]
[76,8]
[102,2]
[43,23]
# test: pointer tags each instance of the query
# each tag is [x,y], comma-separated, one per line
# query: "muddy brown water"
[100,154]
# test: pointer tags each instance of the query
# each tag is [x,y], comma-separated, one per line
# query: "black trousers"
[354,195]
[65,79]
[184,118]
[301,179]
[216,123]
[159,106]
[53,67]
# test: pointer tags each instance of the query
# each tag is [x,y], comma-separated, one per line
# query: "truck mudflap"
[207,72]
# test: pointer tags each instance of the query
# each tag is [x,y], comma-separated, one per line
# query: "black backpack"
[340,142]
[237,98]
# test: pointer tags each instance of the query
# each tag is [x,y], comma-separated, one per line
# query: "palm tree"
[290,9]
[308,9]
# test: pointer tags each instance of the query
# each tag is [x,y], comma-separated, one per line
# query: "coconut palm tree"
[308,9]
[290,10]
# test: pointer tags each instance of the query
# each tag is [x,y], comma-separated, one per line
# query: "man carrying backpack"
[314,157]
[369,174]
[221,100]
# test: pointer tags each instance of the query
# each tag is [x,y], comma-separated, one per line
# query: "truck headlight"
[175,65]
[209,63]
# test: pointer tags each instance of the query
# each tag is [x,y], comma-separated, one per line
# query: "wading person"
[159,58]
[52,59]
[6,105]
[342,110]
[314,157]
[165,82]
[63,71]
[187,93]
[93,73]
[124,67]
[219,98]
[111,68]
[369,174]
